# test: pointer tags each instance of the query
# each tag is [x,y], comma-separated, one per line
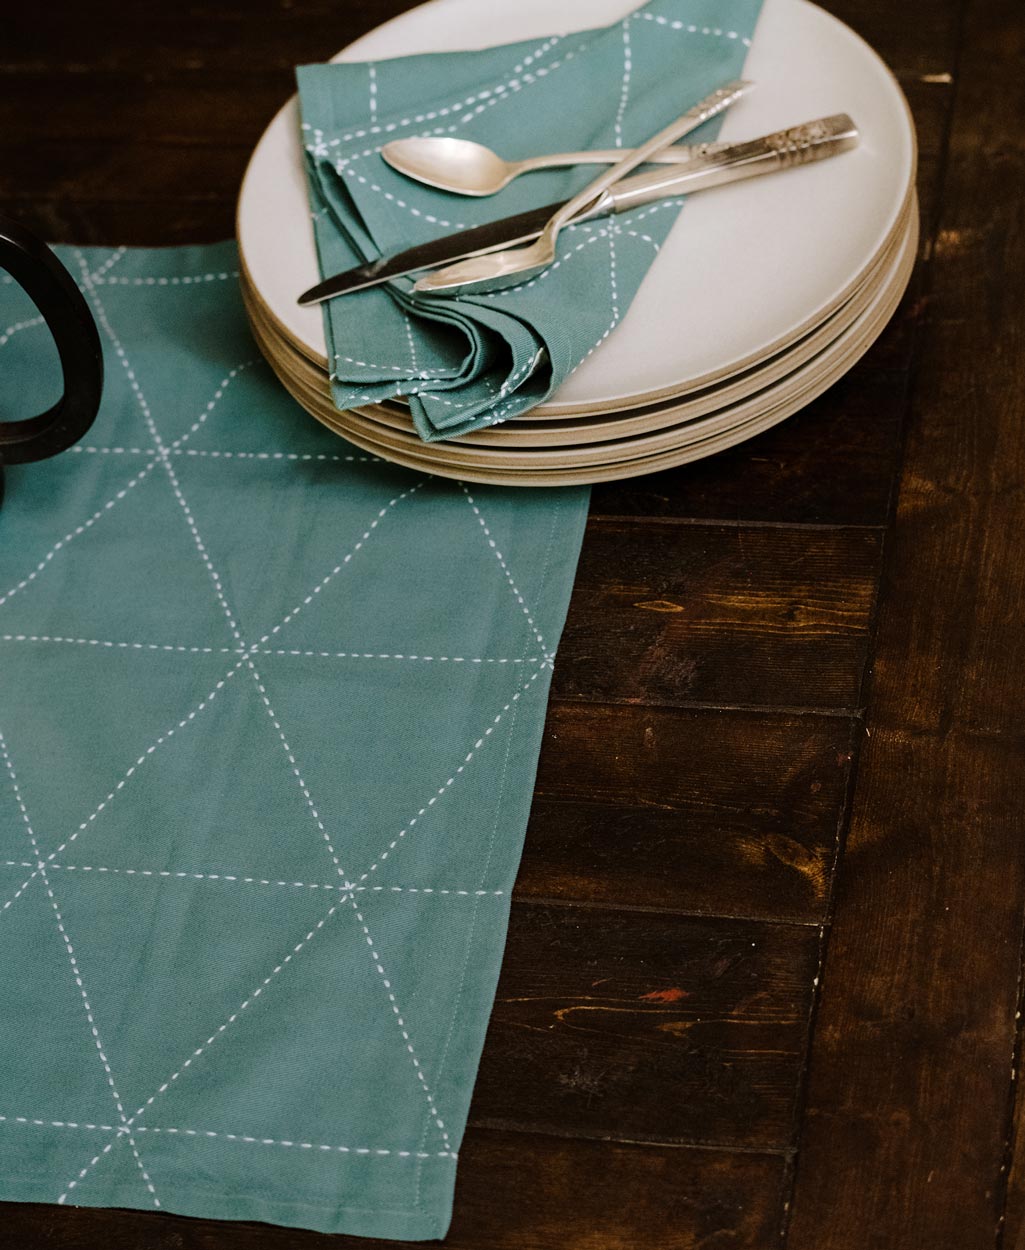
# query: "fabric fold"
[473,361]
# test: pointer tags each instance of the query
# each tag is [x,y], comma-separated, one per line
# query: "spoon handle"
[709,107]
[783,149]
[608,156]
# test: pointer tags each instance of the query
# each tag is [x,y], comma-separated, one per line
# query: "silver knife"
[712,165]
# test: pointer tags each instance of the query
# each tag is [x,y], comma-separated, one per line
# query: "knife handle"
[783,149]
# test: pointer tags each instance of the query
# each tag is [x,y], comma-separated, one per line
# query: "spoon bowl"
[493,272]
[457,165]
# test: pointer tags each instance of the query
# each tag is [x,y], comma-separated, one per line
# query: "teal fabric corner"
[473,361]
[270,712]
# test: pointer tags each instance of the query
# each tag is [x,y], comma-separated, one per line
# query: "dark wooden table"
[764,971]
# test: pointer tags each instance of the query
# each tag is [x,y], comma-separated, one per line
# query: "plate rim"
[819,380]
[629,469]
[758,381]
[663,421]
[711,377]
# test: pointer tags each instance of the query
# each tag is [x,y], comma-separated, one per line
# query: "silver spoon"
[467,168]
[515,265]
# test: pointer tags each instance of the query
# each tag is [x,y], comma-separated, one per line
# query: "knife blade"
[712,165]
[476,241]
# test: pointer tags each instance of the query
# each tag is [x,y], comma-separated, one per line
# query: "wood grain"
[676,613]
[638,807]
[643,1026]
[105,108]
[235,42]
[827,465]
[913,39]
[915,1040]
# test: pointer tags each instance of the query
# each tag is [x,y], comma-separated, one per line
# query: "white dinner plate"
[746,269]
[568,429]
[631,456]
[566,438]
[629,468]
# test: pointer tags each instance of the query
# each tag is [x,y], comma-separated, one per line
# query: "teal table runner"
[477,360]
[269,717]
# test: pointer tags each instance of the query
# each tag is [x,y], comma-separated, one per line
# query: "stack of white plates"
[763,295]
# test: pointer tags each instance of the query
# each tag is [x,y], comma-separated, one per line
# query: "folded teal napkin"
[477,360]
[270,711]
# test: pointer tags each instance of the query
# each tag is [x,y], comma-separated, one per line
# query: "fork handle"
[682,154]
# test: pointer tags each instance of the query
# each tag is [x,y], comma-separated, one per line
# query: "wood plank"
[831,463]
[515,1191]
[248,39]
[905,1128]
[53,109]
[912,39]
[228,41]
[711,813]
[1012,1219]
[602,1194]
[134,169]
[670,613]
[643,1026]
[929,95]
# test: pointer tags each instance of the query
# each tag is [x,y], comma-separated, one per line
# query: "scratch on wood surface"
[663,664]
[671,995]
